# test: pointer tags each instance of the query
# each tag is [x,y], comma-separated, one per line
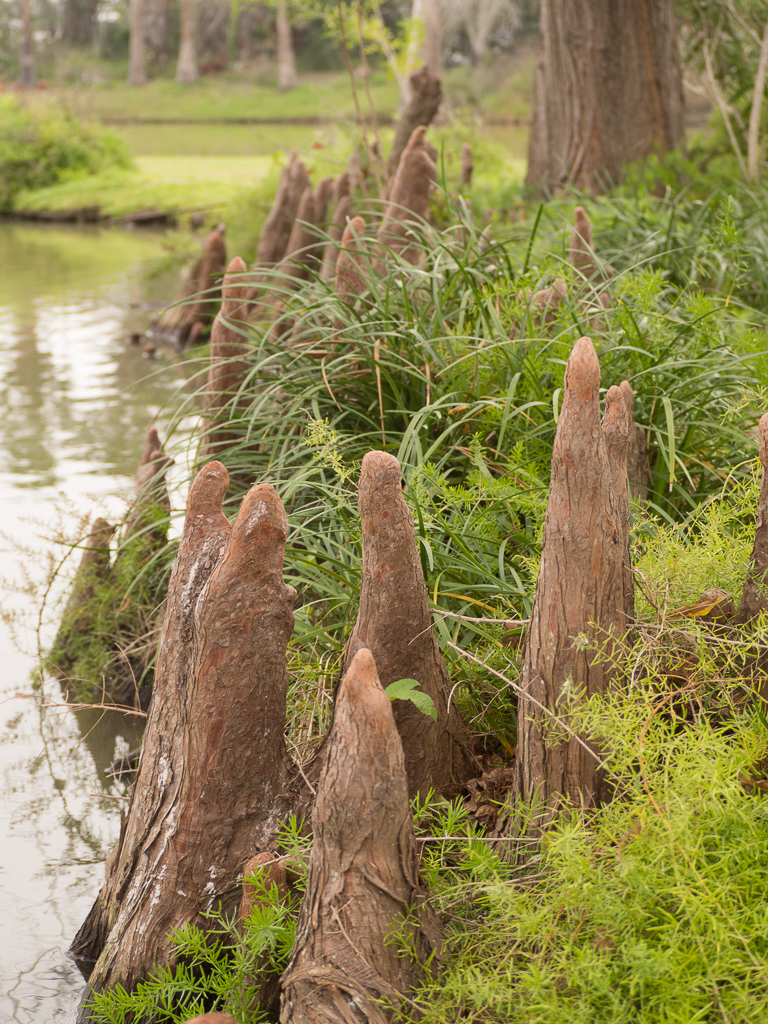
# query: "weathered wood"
[182,324]
[262,991]
[409,197]
[341,215]
[303,251]
[426,95]
[229,365]
[276,231]
[579,591]
[754,597]
[200,807]
[352,263]
[363,877]
[616,424]
[395,623]
[638,466]
[324,191]
[467,165]
[581,252]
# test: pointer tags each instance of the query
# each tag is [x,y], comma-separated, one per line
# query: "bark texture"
[579,591]
[302,253]
[608,89]
[200,809]
[342,211]
[616,425]
[351,264]
[286,61]
[581,252]
[409,197]
[363,876]
[229,365]
[754,597]
[276,232]
[198,300]
[187,70]
[425,99]
[395,623]
[638,466]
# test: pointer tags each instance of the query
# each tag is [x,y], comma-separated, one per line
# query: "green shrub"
[43,144]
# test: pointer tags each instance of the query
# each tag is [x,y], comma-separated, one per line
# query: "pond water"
[75,402]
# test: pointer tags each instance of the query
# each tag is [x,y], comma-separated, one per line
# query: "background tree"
[187,70]
[137,74]
[608,89]
[78,22]
[478,20]
[286,59]
[27,77]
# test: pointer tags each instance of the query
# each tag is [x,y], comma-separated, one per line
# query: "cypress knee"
[409,197]
[395,623]
[616,433]
[363,876]
[754,597]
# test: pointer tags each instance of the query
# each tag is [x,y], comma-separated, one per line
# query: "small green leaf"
[407,689]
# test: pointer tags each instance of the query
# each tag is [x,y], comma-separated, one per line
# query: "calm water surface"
[74,406]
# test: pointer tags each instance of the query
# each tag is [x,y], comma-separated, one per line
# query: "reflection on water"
[75,402]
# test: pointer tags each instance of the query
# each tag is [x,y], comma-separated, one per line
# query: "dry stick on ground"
[214,777]
[229,364]
[395,623]
[183,322]
[409,197]
[363,878]
[638,467]
[426,97]
[754,597]
[579,591]
[616,433]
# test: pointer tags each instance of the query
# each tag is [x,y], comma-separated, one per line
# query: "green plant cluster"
[41,145]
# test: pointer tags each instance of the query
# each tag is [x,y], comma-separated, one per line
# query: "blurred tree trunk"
[213,18]
[136,73]
[187,70]
[286,60]
[79,21]
[27,77]
[156,28]
[426,45]
[608,89]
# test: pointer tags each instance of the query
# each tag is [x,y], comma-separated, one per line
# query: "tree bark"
[185,321]
[214,777]
[579,591]
[754,597]
[409,198]
[286,61]
[608,90]
[27,77]
[426,94]
[136,55]
[395,623]
[428,47]
[363,876]
[276,230]
[187,70]
[616,427]
[638,467]
[342,210]
[351,264]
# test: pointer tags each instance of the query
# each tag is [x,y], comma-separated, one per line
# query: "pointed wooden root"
[342,211]
[303,250]
[543,305]
[229,365]
[581,253]
[426,97]
[276,232]
[638,466]
[580,590]
[754,597]
[395,623]
[199,806]
[409,198]
[616,432]
[187,320]
[151,501]
[351,264]
[467,165]
[363,877]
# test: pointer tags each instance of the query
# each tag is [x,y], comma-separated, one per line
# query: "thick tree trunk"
[754,598]
[187,70]
[214,778]
[608,89]
[136,55]
[286,61]
[395,623]
[27,77]
[579,591]
[363,877]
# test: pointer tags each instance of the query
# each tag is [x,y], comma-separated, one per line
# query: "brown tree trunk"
[363,877]
[214,777]
[286,61]
[27,77]
[187,70]
[395,623]
[754,597]
[426,96]
[608,89]
[579,591]
[136,53]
